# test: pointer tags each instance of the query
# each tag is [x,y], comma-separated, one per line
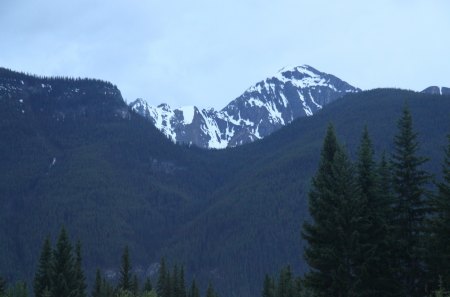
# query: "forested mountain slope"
[72,153]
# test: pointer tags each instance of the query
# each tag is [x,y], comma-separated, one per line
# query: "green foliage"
[80,279]
[410,207]
[98,285]
[18,290]
[125,281]
[148,285]
[64,282]
[135,286]
[194,291]
[162,286]
[43,278]
[2,286]
[151,293]
[268,287]
[335,236]
[118,181]
[210,291]
[286,286]
[438,256]
[376,277]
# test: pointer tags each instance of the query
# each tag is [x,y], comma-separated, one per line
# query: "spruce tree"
[409,208]
[175,283]
[439,228]
[285,287]
[63,277]
[375,275]
[268,287]
[210,291]
[135,286]
[97,290]
[79,274]
[43,275]
[2,286]
[194,291]
[161,285]
[334,235]
[125,271]
[148,285]
[182,283]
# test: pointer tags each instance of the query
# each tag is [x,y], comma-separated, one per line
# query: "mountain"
[262,109]
[72,155]
[434,90]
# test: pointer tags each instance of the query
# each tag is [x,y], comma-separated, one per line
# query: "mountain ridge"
[261,109]
[229,216]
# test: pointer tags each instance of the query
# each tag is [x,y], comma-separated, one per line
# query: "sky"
[208,52]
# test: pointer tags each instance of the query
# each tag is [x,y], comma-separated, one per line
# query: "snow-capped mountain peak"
[263,108]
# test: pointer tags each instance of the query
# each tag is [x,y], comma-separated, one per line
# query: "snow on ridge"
[188,114]
[268,103]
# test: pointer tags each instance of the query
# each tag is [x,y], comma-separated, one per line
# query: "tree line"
[377,228]
[59,273]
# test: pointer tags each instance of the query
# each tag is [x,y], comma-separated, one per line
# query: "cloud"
[208,52]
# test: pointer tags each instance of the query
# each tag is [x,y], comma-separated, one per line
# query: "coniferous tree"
[79,274]
[210,291]
[18,290]
[97,290]
[2,286]
[438,259]
[43,277]
[148,285]
[334,236]
[63,276]
[410,207]
[285,287]
[182,283]
[375,275]
[125,271]
[268,287]
[175,283]
[194,291]
[161,285]
[135,286]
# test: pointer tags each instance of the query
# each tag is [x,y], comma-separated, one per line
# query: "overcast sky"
[207,52]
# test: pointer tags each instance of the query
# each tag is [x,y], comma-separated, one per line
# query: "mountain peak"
[263,108]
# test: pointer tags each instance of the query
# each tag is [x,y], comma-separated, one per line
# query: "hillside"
[83,159]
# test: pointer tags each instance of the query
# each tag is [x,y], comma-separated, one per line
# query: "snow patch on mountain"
[263,108]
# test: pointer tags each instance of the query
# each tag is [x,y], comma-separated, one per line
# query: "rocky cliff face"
[434,90]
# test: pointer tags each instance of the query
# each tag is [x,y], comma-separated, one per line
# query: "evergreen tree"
[2,286]
[210,291]
[175,282]
[97,290]
[63,276]
[285,287]
[182,283]
[268,287]
[148,285]
[135,286]
[43,276]
[194,291]
[439,228]
[375,275]
[125,271]
[79,274]
[18,290]
[410,207]
[161,285]
[334,236]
